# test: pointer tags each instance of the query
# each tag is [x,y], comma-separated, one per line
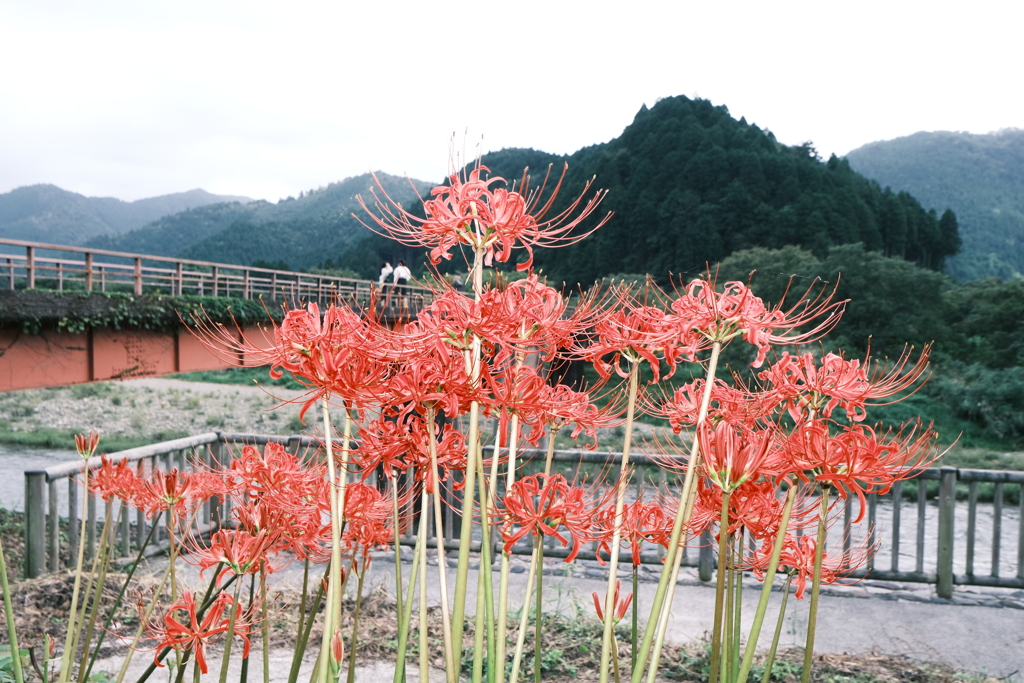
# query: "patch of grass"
[46,437]
[258,375]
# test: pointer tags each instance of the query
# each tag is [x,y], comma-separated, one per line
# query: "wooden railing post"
[88,271]
[214,281]
[245,284]
[10,273]
[947,501]
[178,287]
[706,556]
[138,276]
[35,524]
[273,287]
[30,267]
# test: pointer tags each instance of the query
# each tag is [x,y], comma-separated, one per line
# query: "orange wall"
[33,361]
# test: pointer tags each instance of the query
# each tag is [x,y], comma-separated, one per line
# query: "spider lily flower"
[621,604]
[729,403]
[86,445]
[635,333]
[240,552]
[540,504]
[181,629]
[736,312]
[641,523]
[855,460]
[797,559]
[733,454]
[482,213]
[810,386]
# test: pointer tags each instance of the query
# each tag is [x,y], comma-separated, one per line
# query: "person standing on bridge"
[402,275]
[385,270]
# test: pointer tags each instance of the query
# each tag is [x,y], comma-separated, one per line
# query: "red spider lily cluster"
[420,400]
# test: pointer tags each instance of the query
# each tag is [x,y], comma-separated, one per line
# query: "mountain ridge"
[47,213]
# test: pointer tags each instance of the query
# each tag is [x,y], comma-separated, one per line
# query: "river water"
[14,460]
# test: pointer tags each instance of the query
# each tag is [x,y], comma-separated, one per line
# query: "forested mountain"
[46,213]
[689,185]
[296,231]
[981,177]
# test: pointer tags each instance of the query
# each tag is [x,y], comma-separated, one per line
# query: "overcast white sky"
[265,99]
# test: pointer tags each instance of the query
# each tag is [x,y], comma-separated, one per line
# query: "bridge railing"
[922,535]
[31,265]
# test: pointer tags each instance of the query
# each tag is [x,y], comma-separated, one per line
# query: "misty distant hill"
[46,213]
[980,177]
[298,231]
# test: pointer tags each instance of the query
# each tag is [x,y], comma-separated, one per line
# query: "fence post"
[178,286]
[138,276]
[35,524]
[88,271]
[214,274]
[947,501]
[706,556]
[30,267]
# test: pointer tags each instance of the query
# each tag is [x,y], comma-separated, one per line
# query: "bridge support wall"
[50,359]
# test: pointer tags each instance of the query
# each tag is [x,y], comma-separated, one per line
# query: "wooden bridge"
[33,356]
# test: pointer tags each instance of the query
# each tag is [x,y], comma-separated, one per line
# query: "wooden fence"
[931,554]
[50,266]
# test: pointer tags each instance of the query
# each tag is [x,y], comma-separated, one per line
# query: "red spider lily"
[540,504]
[621,604]
[562,407]
[296,526]
[797,559]
[518,390]
[86,445]
[855,460]
[432,380]
[491,220]
[735,311]
[367,518]
[113,481]
[276,475]
[641,522]
[240,551]
[755,506]
[185,632]
[735,453]
[398,443]
[637,333]
[812,387]
[727,403]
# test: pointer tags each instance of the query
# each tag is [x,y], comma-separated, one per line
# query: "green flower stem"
[716,633]
[634,625]
[334,582]
[421,551]
[442,569]
[303,634]
[229,636]
[302,614]
[737,603]
[538,618]
[396,523]
[354,640]
[485,573]
[770,661]
[120,596]
[513,437]
[730,607]
[766,586]
[819,550]
[68,654]
[102,561]
[620,502]
[673,558]
[524,619]
[243,676]
[19,677]
[403,628]
[263,620]
[473,453]
[478,631]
